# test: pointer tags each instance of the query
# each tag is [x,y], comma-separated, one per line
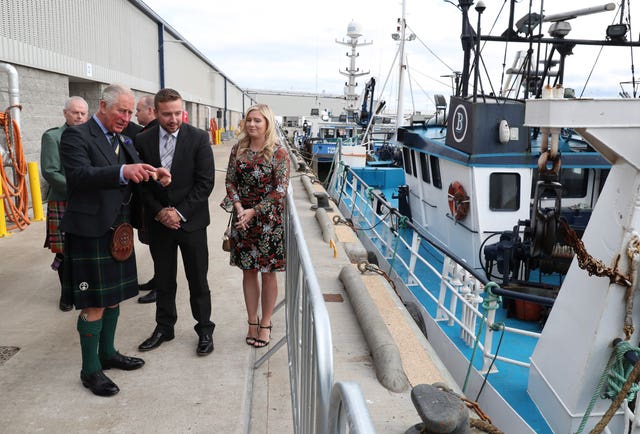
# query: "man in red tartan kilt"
[101,167]
[75,112]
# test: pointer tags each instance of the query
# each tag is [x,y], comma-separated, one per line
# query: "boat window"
[328,133]
[504,191]
[426,177]
[407,160]
[575,182]
[435,171]
[413,163]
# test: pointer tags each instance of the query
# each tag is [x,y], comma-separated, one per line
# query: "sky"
[290,45]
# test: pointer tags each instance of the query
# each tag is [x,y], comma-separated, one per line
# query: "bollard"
[322,199]
[441,412]
[36,194]
[3,217]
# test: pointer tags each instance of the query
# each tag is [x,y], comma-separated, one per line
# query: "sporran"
[122,242]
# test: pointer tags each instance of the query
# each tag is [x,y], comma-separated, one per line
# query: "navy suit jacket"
[192,175]
[94,193]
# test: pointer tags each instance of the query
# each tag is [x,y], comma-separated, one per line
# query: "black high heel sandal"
[260,343]
[250,340]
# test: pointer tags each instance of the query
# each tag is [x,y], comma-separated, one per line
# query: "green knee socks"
[89,339]
[109,323]
[96,339]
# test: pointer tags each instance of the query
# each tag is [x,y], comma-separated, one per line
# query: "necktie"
[166,152]
[115,144]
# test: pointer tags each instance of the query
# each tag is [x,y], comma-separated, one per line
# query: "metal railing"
[318,405]
[461,285]
[347,408]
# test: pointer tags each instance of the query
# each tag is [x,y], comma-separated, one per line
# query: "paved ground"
[177,391]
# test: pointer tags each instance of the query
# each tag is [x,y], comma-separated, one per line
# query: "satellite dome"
[354,30]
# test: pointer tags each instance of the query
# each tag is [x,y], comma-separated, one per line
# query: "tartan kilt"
[92,278]
[54,239]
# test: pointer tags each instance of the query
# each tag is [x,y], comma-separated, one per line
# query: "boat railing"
[318,404]
[463,299]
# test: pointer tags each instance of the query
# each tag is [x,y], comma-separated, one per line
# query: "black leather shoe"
[156,339]
[149,298]
[147,286]
[99,384]
[126,363]
[205,345]
[64,306]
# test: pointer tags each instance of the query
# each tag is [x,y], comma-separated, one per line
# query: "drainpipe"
[14,90]
[225,103]
[14,101]
[161,53]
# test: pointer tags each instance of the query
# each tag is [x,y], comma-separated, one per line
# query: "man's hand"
[137,172]
[169,217]
[161,175]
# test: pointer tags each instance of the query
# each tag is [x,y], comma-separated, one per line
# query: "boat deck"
[177,391]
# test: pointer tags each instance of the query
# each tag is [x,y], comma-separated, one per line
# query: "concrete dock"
[177,391]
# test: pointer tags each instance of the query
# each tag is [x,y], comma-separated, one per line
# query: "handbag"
[122,242]
[226,241]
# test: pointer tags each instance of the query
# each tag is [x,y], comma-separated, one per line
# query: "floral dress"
[261,185]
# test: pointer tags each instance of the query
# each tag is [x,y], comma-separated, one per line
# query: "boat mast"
[467,39]
[353,32]
[400,36]
[402,27]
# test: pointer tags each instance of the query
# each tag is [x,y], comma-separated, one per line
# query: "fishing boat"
[499,221]
[326,136]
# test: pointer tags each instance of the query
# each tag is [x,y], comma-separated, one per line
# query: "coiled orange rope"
[15,195]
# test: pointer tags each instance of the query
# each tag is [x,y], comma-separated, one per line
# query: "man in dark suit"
[177,217]
[145,112]
[101,165]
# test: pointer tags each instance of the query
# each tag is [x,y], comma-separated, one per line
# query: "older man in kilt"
[101,166]
[75,113]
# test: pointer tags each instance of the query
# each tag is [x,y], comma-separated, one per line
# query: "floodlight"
[527,24]
[617,32]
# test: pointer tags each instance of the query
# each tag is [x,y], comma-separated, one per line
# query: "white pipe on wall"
[14,90]
[14,101]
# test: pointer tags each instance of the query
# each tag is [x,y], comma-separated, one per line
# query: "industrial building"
[50,50]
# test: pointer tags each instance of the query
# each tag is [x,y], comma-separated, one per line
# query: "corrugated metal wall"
[298,103]
[107,41]
[192,77]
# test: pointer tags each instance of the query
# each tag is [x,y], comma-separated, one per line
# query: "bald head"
[75,111]
[145,110]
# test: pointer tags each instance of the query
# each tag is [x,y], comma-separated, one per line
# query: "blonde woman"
[256,182]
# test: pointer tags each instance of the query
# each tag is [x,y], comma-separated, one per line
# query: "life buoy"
[458,201]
